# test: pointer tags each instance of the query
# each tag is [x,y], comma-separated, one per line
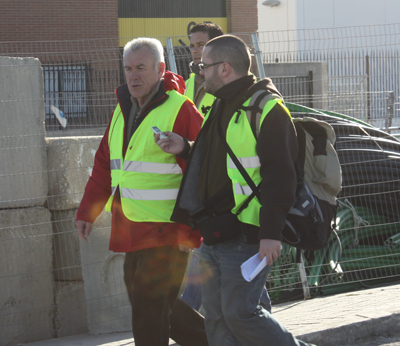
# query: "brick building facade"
[49,20]
[79,43]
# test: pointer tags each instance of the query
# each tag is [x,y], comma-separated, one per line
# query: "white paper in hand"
[252,267]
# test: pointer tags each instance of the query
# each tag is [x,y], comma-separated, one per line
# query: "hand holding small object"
[173,144]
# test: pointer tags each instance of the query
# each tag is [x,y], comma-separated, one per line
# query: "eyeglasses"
[203,66]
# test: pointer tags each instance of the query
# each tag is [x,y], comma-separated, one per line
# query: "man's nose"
[132,75]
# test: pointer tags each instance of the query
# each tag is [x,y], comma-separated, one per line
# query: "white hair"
[153,44]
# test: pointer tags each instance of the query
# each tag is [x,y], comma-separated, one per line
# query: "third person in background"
[200,35]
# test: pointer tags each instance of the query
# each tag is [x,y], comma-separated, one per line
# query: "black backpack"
[309,221]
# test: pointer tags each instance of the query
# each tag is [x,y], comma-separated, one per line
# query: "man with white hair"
[138,183]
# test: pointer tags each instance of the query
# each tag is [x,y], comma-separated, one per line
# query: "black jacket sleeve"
[277,149]
[184,154]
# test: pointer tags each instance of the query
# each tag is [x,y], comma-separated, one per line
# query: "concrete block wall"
[107,303]
[42,293]
[70,162]
[66,255]
[70,316]
[90,264]
[23,168]
[26,275]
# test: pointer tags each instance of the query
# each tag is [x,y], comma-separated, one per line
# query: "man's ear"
[161,69]
[226,70]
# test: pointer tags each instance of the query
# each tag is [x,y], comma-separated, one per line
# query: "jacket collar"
[124,99]
[230,92]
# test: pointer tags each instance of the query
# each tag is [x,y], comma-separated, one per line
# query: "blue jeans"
[233,315]
[192,293]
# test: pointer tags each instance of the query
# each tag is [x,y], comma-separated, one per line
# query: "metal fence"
[74,287]
[360,78]
[363,65]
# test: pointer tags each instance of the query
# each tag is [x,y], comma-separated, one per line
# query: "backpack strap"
[301,156]
[255,108]
[239,166]
[253,112]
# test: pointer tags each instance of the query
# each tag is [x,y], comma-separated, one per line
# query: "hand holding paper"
[252,267]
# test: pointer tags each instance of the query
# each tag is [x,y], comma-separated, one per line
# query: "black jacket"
[277,148]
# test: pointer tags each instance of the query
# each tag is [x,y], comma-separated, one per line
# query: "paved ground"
[379,341]
[342,319]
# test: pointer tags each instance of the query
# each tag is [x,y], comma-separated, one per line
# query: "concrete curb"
[350,333]
[340,319]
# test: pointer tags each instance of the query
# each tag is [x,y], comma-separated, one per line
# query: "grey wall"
[52,284]
[320,78]
[23,171]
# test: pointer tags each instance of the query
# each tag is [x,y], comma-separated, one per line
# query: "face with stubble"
[213,80]
[197,42]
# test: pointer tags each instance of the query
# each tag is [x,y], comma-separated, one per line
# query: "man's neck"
[149,97]
[229,91]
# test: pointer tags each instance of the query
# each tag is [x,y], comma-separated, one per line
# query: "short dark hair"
[213,30]
[231,49]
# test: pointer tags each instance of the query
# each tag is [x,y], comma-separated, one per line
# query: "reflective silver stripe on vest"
[247,162]
[115,164]
[113,189]
[152,167]
[242,190]
[149,195]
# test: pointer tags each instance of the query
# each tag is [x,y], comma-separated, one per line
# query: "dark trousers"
[153,278]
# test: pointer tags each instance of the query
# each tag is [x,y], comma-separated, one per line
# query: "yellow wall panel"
[162,28]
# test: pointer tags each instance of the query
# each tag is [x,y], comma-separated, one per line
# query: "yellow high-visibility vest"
[148,179]
[207,100]
[240,138]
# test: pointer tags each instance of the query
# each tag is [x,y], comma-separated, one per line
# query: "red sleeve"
[187,125]
[98,187]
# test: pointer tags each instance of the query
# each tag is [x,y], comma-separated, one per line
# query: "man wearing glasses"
[195,90]
[213,192]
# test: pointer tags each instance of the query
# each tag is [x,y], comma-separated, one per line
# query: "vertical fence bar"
[260,67]
[310,88]
[368,88]
[389,111]
[171,57]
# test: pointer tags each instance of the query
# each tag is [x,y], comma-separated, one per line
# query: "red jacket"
[126,235]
